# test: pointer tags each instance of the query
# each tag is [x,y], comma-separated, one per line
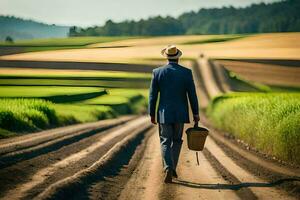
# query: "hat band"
[173,54]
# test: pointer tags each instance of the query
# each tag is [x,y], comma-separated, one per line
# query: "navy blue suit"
[174,85]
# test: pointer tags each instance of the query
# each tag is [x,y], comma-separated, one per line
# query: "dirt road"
[120,159]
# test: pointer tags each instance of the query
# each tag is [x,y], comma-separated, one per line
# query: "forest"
[283,16]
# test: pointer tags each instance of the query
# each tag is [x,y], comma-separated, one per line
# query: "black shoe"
[168,176]
[174,174]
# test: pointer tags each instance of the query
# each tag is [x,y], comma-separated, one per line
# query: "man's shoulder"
[180,67]
[159,69]
[183,68]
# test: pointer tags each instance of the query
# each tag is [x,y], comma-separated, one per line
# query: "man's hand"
[153,120]
[196,118]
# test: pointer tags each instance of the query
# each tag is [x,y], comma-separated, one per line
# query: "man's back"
[174,83]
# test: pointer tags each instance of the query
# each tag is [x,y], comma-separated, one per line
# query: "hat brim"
[164,54]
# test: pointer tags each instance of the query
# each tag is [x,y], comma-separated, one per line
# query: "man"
[174,84]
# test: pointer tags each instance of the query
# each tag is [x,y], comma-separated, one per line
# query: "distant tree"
[9,39]
[74,31]
[282,16]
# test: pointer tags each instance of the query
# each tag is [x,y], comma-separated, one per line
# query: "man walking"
[174,85]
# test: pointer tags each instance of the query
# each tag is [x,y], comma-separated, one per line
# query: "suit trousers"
[170,142]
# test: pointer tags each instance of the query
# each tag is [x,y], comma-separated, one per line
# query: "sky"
[96,12]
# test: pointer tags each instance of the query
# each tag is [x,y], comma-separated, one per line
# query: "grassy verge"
[268,121]
[75,113]
[27,115]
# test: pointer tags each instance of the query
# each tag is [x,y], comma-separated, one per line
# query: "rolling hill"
[18,28]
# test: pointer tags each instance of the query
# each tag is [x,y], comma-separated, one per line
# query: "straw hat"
[171,52]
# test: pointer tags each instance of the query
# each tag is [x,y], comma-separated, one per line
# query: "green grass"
[63,42]
[73,74]
[83,113]
[5,133]
[36,106]
[75,78]
[268,121]
[123,101]
[20,115]
[49,44]
[221,38]
[27,115]
[43,91]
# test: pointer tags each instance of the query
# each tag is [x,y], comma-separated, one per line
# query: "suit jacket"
[174,85]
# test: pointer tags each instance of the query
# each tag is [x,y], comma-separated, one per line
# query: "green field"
[19,115]
[123,101]
[27,105]
[25,73]
[43,91]
[27,115]
[60,43]
[268,121]
[63,42]
[75,78]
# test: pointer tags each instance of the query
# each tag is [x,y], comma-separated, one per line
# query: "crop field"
[268,121]
[141,50]
[104,79]
[71,96]
[71,41]
[36,91]
[59,43]
[74,124]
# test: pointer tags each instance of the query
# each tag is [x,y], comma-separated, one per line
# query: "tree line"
[283,16]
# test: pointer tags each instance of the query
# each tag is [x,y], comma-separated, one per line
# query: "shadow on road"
[232,186]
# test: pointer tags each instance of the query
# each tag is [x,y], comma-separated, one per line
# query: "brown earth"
[122,161]
[265,73]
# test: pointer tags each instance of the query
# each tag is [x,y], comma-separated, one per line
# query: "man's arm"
[153,94]
[193,97]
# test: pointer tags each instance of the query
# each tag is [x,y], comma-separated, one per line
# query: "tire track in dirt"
[199,182]
[146,180]
[110,186]
[243,175]
[236,172]
[221,76]
[42,174]
[200,86]
[48,141]
[71,187]
[34,139]
[195,182]
[208,78]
